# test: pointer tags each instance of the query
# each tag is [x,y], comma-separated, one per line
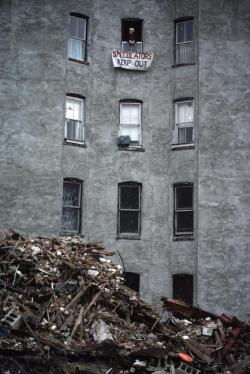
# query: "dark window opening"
[132,280]
[132,35]
[129,208]
[183,287]
[184,53]
[183,209]
[71,206]
[77,38]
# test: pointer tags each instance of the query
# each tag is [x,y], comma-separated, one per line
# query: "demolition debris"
[64,304]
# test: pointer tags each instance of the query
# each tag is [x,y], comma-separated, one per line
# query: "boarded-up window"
[132,280]
[71,210]
[183,287]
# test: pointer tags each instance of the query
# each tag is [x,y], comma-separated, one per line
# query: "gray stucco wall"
[36,75]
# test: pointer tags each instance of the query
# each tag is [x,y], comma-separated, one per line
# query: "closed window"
[130,121]
[183,209]
[184,117]
[129,208]
[77,39]
[71,209]
[74,121]
[132,35]
[184,53]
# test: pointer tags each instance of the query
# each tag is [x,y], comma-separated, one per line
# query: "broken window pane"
[70,219]
[183,219]
[71,209]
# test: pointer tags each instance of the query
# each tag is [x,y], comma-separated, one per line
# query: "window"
[183,209]
[183,287]
[71,210]
[184,117]
[129,208]
[184,53]
[132,35]
[77,39]
[130,121]
[132,280]
[74,124]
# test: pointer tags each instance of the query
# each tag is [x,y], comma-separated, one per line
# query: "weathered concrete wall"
[36,75]
[224,169]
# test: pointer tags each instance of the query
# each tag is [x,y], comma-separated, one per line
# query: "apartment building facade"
[127,123]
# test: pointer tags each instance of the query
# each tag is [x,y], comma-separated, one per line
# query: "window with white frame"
[129,209]
[71,209]
[130,121]
[184,53]
[74,121]
[77,38]
[184,118]
[183,209]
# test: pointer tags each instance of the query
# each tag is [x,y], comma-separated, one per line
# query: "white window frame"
[133,126]
[184,124]
[138,210]
[77,207]
[187,44]
[178,211]
[82,40]
[81,121]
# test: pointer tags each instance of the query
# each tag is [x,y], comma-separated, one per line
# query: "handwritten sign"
[132,60]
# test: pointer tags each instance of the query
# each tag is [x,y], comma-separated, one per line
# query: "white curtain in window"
[75,48]
[184,112]
[130,120]
[74,109]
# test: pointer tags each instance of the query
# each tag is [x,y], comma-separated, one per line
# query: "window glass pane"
[81,28]
[72,26]
[74,109]
[125,113]
[180,32]
[74,130]
[71,194]
[189,112]
[132,131]
[184,222]
[189,31]
[70,219]
[135,114]
[181,135]
[181,113]
[75,49]
[129,222]
[184,197]
[129,197]
[189,134]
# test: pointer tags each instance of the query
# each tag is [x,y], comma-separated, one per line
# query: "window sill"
[75,143]
[176,147]
[71,234]
[177,65]
[80,61]
[128,237]
[138,148]
[183,237]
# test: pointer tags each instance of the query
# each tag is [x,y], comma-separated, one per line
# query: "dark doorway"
[183,287]
[132,280]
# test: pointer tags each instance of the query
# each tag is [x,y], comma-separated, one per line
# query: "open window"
[183,288]
[77,37]
[71,205]
[184,49]
[183,209]
[129,209]
[132,35]
[130,122]
[74,119]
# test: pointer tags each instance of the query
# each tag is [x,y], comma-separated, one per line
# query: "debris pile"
[62,301]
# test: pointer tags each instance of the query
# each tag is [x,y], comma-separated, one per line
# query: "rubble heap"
[63,300]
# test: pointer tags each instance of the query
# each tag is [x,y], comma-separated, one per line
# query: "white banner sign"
[132,60]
